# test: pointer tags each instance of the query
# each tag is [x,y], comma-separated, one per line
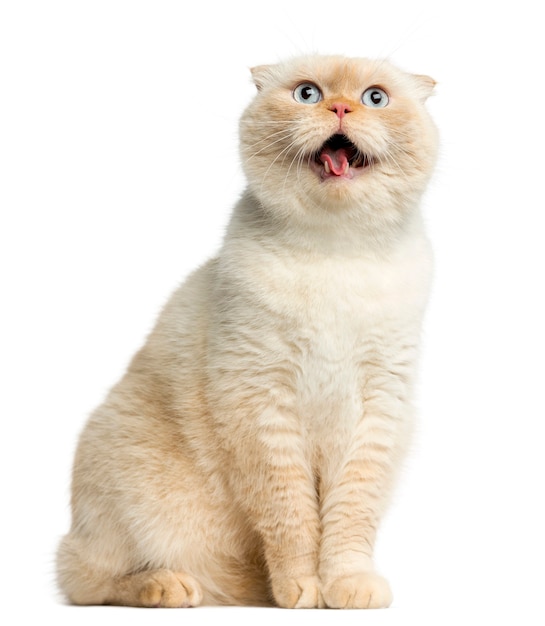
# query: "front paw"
[298,593]
[358,591]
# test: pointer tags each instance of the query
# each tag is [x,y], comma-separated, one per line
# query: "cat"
[247,455]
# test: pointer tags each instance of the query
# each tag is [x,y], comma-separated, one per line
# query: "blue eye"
[307,93]
[375,97]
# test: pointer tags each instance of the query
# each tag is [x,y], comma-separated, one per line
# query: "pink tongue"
[336,159]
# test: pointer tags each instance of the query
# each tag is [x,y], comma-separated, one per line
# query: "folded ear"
[261,74]
[424,85]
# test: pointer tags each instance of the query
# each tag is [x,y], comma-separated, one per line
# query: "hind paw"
[164,588]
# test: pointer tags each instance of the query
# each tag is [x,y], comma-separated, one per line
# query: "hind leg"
[84,582]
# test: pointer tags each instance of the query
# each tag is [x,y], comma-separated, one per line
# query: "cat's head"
[326,133]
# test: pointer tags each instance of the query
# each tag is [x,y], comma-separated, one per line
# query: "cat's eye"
[307,93]
[375,97]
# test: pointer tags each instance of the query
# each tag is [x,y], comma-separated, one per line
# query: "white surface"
[118,170]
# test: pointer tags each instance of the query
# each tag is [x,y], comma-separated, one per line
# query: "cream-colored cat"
[247,455]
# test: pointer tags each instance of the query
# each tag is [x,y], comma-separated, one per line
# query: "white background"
[119,166]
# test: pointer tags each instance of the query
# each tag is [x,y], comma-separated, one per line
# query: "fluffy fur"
[248,453]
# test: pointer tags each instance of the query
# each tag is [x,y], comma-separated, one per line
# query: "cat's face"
[334,133]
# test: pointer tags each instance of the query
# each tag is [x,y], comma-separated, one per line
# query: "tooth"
[326,167]
[347,167]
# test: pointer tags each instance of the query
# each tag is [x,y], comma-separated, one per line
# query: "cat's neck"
[343,233]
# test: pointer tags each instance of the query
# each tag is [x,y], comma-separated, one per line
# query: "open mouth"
[339,157]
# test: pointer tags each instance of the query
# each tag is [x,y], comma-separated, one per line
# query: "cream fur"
[248,454]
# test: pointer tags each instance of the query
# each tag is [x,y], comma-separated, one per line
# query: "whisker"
[297,157]
[284,153]
[269,145]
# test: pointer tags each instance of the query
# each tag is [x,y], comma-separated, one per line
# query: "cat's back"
[144,409]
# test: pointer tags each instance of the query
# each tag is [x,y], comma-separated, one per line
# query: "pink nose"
[340,108]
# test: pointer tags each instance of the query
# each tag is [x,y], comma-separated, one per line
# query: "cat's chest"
[338,301]
[318,322]
[326,308]
[329,312]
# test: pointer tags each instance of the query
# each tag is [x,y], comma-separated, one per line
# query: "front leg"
[355,491]
[273,481]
